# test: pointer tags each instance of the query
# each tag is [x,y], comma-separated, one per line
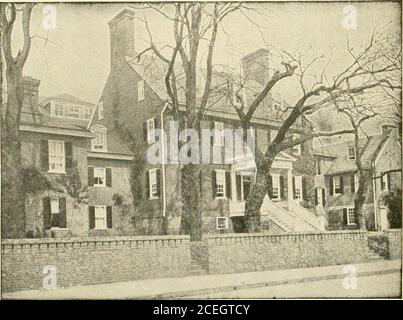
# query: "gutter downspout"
[375,198]
[163,159]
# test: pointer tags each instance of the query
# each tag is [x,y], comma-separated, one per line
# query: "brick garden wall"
[81,261]
[394,241]
[256,252]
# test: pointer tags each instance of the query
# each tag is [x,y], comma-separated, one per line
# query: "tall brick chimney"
[256,66]
[31,95]
[121,29]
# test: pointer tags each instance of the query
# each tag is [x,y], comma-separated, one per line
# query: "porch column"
[289,186]
[233,185]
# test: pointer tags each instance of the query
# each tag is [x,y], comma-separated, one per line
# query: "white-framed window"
[54,205]
[351,154]
[151,130]
[100,110]
[222,223]
[384,182]
[336,185]
[296,149]
[59,110]
[319,196]
[276,186]
[350,215]
[218,133]
[87,113]
[98,143]
[153,184]
[74,112]
[100,217]
[56,156]
[298,187]
[220,183]
[140,90]
[273,134]
[99,177]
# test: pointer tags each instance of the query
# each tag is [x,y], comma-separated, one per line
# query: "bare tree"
[193,24]
[367,72]
[13,206]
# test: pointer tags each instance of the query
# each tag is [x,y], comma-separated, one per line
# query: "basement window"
[222,223]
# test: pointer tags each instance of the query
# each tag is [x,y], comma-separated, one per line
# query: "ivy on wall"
[137,165]
[71,183]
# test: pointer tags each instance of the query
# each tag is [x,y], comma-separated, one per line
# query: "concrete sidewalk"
[176,288]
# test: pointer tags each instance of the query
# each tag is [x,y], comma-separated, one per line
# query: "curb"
[181,294]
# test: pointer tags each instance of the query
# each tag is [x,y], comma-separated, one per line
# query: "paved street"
[375,279]
[384,285]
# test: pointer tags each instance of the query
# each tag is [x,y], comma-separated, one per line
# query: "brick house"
[87,192]
[336,180]
[134,101]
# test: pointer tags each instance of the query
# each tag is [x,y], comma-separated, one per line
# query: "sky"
[75,59]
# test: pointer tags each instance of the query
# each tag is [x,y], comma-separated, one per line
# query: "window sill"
[221,198]
[99,186]
[57,171]
[153,198]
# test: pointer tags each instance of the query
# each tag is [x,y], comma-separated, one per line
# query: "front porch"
[281,205]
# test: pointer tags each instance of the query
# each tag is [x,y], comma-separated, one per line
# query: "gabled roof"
[152,70]
[64,97]
[369,147]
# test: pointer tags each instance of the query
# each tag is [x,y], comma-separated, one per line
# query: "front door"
[246,184]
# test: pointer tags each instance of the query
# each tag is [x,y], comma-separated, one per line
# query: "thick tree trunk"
[256,196]
[12,197]
[191,212]
[359,201]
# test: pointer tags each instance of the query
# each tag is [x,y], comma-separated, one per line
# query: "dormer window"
[140,90]
[98,143]
[100,110]
[351,153]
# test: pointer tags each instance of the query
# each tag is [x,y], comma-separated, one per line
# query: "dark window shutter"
[352,183]
[214,183]
[44,155]
[345,216]
[108,177]
[212,130]
[382,184]
[304,188]
[316,196]
[91,216]
[323,197]
[282,195]
[270,187]
[156,126]
[331,185]
[109,217]
[90,176]
[62,213]
[145,130]
[238,182]
[341,185]
[302,148]
[228,184]
[46,213]
[293,187]
[148,184]
[158,174]
[68,149]
[388,176]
